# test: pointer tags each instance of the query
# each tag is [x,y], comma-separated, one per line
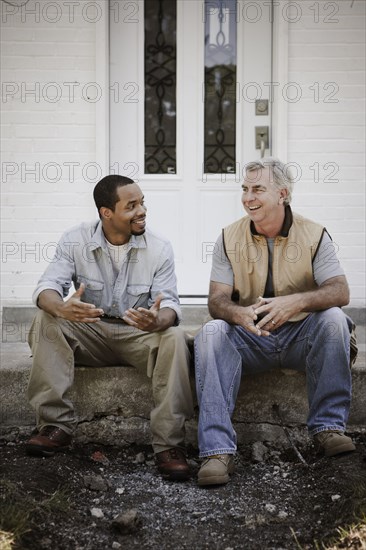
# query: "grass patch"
[353,533]
[19,510]
[353,536]
[6,540]
[15,511]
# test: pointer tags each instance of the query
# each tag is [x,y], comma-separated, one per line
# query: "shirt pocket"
[93,292]
[138,296]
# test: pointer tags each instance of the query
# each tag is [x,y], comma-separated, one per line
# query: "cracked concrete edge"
[125,394]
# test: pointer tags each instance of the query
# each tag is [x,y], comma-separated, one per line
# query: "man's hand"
[221,306]
[77,311]
[247,317]
[145,319]
[333,292]
[277,311]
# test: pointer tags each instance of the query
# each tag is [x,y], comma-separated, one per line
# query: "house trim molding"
[102,59]
[280,71]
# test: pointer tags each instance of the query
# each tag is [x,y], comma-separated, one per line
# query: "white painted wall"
[326,126]
[54,49]
[48,133]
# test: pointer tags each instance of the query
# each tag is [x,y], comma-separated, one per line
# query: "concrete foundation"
[113,403]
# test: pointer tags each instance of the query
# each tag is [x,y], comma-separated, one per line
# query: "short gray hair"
[281,173]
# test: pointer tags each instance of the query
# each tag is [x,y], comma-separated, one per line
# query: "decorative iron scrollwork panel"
[160,86]
[220,87]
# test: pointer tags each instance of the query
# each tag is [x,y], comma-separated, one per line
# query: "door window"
[160,86]
[220,87]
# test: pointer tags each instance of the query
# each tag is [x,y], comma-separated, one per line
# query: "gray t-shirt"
[325,264]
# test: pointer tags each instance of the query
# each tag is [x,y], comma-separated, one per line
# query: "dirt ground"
[274,501]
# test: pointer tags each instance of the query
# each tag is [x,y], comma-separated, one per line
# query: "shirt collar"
[286,223]
[99,240]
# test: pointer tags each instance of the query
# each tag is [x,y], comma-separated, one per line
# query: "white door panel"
[189,207]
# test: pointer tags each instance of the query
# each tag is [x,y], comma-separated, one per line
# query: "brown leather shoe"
[48,441]
[172,464]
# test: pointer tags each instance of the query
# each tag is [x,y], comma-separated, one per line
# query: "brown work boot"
[332,443]
[48,441]
[172,464]
[216,469]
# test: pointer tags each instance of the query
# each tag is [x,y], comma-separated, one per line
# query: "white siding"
[326,130]
[46,138]
[48,134]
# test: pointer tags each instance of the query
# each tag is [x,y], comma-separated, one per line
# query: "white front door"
[190,170]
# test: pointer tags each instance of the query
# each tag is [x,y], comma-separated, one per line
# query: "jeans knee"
[331,327]
[212,332]
[332,319]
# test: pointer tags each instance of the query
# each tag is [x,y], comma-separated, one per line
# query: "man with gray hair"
[276,293]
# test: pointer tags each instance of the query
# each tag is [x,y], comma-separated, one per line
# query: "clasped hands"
[268,314]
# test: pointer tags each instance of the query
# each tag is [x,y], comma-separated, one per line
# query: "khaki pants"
[57,345]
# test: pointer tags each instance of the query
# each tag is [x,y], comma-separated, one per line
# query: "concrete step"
[16,320]
[113,403]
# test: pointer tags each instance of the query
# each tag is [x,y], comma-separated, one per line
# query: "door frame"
[280,74]
[280,55]
[102,106]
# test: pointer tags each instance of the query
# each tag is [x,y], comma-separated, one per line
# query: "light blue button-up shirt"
[82,256]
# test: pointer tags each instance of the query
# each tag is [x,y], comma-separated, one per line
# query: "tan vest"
[292,259]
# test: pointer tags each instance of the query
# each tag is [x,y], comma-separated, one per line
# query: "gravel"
[114,498]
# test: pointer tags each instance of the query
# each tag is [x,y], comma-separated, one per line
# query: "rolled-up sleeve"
[165,282]
[59,274]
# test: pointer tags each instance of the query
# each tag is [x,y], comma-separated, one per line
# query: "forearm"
[333,293]
[73,309]
[166,318]
[51,302]
[222,307]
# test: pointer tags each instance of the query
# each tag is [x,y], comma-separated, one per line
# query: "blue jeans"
[319,346]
